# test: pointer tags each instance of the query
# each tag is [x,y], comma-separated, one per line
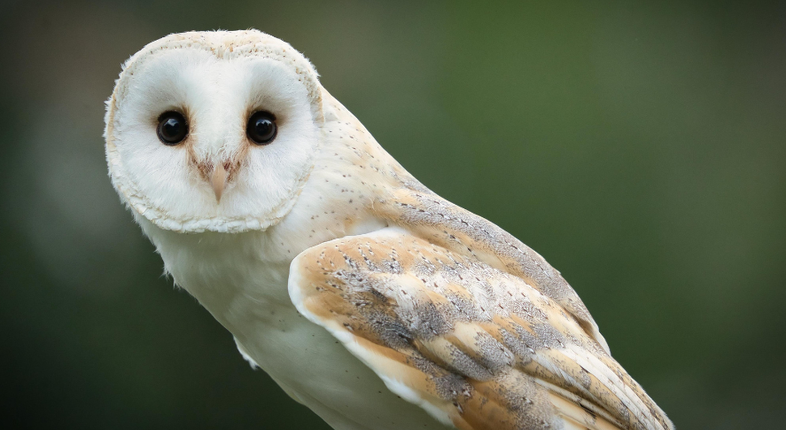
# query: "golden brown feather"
[484,346]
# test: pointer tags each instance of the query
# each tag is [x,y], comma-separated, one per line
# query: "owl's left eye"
[261,128]
[172,128]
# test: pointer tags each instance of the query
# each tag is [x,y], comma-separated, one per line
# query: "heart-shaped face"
[213,131]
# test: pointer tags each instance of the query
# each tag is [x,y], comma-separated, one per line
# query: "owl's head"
[213,131]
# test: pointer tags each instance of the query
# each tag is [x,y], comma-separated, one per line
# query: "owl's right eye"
[172,128]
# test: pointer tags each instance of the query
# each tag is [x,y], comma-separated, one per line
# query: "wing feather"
[473,345]
[429,216]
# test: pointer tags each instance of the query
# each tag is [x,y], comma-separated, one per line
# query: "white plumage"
[365,296]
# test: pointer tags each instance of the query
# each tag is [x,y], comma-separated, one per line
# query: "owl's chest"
[249,297]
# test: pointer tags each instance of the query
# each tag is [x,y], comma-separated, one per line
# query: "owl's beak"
[218,179]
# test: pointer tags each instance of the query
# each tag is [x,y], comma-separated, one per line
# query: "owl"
[368,298]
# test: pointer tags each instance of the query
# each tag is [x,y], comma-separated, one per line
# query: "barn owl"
[364,295]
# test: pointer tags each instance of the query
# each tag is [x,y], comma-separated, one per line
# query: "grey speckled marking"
[480,335]
[463,232]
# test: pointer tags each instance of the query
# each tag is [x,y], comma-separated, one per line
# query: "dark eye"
[172,128]
[261,128]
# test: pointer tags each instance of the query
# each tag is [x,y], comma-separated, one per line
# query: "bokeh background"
[641,148]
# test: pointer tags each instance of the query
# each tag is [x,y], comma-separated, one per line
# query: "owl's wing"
[429,216]
[471,344]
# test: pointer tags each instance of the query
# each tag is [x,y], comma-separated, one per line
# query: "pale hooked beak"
[218,179]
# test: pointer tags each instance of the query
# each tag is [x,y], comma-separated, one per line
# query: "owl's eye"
[261,128]
[172,128]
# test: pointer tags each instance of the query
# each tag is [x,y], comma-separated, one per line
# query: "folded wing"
[474,346]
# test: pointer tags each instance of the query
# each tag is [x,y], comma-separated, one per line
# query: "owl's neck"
[221,270]
[240,277]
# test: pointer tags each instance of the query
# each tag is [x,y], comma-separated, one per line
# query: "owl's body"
[303,358]
[368,298]
[242,280]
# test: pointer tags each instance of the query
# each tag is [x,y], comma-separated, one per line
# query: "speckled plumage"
[366,297]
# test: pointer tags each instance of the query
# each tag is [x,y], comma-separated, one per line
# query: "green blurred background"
[641,148]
